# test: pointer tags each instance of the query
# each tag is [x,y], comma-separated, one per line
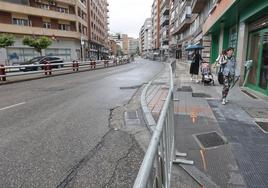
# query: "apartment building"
[164,28]
[64,21]
[133,46]
[146,37]
[155,14]
[242,25]
[98,29]
[112,46]
[122,41]
[187,19]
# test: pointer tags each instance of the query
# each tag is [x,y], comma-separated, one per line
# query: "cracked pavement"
[54,132]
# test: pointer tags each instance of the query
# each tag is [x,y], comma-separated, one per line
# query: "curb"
[148,117]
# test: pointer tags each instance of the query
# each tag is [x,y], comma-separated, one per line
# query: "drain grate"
[131,115]
[257,112]
[263,126]
[249,94]
[131,87]
[202,95]
[185,89]
[208,140]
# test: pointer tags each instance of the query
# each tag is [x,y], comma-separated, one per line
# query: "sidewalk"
[227,146]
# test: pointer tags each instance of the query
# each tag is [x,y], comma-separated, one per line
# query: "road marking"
[12,106]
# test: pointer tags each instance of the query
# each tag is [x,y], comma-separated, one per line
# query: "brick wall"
[5,17]
[36,21]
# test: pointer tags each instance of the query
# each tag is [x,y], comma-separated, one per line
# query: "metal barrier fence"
[156,167]
[48,68]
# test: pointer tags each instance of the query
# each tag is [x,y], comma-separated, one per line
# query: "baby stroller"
[207,77]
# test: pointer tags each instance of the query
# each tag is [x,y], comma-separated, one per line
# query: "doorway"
[258,52]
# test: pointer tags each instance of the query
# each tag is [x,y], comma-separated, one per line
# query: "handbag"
[220,76]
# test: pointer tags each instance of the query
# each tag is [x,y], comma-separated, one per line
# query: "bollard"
[2,72]
[75,65]
[46,68]
[50,69]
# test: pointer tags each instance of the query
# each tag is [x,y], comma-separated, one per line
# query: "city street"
[54,132]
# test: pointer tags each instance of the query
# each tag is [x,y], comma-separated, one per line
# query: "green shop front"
[244,26]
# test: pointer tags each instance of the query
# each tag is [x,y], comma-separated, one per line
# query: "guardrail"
[48,68]
[156,167]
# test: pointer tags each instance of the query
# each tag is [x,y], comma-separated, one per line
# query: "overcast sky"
[127,16]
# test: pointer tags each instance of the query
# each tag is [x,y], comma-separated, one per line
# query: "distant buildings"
[133,46]
[125,45]
[146,37]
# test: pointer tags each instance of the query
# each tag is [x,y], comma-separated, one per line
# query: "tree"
[138,51]
[6,40]
[38,43]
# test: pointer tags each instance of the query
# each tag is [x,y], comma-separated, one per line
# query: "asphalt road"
[51,126]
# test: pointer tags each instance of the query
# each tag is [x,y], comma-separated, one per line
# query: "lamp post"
[82,49]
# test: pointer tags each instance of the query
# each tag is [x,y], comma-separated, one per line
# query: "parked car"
[39,61]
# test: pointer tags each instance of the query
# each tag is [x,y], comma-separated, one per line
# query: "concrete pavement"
[228,147]
[59,131]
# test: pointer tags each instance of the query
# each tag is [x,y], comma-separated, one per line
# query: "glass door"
[254,49]
[263,73]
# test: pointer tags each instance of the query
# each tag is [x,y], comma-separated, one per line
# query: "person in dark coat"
[194,68]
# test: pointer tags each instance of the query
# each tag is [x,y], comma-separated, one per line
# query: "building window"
[44,6]
[62,10]
[47,25]
[64,27]
[19,21]
[233,37]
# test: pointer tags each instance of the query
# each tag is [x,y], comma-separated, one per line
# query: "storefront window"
[233,37]
[62,53]
[264,63]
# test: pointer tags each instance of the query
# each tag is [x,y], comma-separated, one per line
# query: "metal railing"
[48,68]
[156,167]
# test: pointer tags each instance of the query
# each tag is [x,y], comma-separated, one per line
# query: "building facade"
[155,15]
[133,46]
[146,38]
[243,25]
[98,29]
[65,22]
[164,28]
[187,19]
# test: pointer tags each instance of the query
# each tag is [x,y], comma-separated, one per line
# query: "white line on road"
[12,106]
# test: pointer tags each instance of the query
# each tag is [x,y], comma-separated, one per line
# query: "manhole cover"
[257,112]
[132,118]
[263,126]
[208,140]
[131,115]
[185,89]
[131,87]
[158,83]
[204,95]
[249,94]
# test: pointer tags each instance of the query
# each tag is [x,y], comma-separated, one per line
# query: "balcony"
[184,25]
[164,20]
[198,6]
[27,10]
[69,2]
[27,30]
[165,10]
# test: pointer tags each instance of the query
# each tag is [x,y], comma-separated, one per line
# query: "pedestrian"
[228,71]
[220,60]
[194,68]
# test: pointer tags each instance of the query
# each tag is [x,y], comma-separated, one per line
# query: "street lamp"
[82,50]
